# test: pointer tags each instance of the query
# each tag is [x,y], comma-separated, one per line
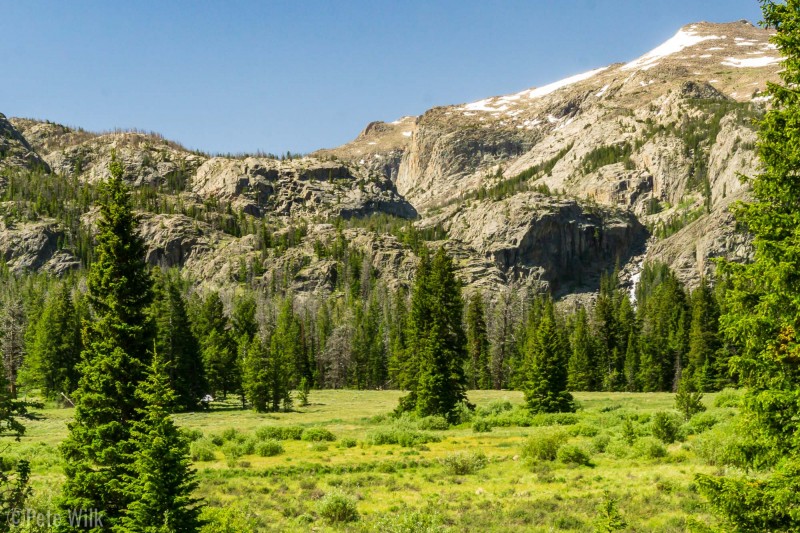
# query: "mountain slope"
[549,186]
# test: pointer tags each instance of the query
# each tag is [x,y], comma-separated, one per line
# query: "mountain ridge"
[652,147]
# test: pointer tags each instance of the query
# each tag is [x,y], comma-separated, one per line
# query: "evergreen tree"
[55,353]
[632,363]
[98,450]
[434,366]
[217,344]
[12,341]
[163,481]
[762,310]
[256,375]
[479,372]
[580,366]
[701,368]
[546,367]
[285,350]
[176,342]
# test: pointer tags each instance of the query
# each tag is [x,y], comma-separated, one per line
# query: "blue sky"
[277,75]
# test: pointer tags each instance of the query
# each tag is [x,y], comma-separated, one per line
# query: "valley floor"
[439,485]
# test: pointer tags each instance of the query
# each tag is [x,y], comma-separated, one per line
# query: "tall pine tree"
[118,339]
[434,365]
[546,366]
[762,311]
[176,342]
[162,482]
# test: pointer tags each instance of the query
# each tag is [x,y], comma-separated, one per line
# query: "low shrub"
[232,452]
[248,446]
[463,463]
[279,433]
[481,425]
[338,507]
[269,448]
[723,446]
[544,446]
[202,450]
[494,407]
[649,448]
[319,446]
[434,423]
[191,435]
[619,448]
[584,429]
[403,437]
[600,442]
[317,435]
[728,398]
[347,442]
[665,427]
[422,521]
[232,434]
[701,423]
[574,454]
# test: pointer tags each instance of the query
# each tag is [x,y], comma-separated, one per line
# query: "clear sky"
[274,75]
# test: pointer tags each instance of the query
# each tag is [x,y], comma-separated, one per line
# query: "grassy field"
[532,473]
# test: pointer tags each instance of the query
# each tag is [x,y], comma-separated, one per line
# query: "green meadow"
[343,463]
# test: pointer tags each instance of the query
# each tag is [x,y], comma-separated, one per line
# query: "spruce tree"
[580,366]
[256,381]
[701,368]
[55,353]
[546,367]
[118,338]
[285,345]
[176,342]
[479,372]
[218,346]
[434,365]
[763,306]
[162,483]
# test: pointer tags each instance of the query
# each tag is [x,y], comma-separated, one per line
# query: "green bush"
[728,398]
[434,422]
[423,521]
[619,448]
[232,434]
[232,452]
[649,448]
[191,435]
[702,422]
[347,442]
[481,425]
[463,463]
[584,429]
[338,507]
[574,454]
[269,448]
[689,403]
[279,433]
[665,427]
[318,435]
[544,446]
[494,407]
[403,437]
[600,442]
[202,450]
[723,446]
[248,446]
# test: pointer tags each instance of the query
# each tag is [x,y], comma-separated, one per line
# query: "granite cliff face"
[549,186]
[665,136]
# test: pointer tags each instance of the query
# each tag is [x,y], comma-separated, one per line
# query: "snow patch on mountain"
[682,40]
